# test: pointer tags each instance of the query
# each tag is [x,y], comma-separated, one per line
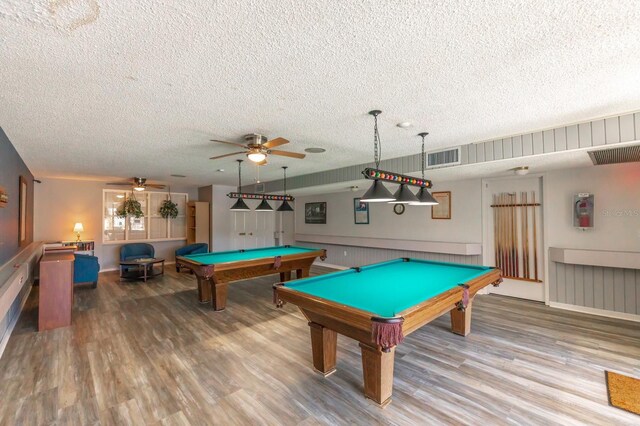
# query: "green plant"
[130,207]
[168,209]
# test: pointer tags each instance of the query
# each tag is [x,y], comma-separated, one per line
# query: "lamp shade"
[240,206]
[264,206]
[78,228]
[404,196]
[377,194]
[285,207]
[424,198]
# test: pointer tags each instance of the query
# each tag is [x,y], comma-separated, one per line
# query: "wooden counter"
[56,290]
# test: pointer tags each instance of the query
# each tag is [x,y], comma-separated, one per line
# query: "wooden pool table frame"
[327,318]
[214,279]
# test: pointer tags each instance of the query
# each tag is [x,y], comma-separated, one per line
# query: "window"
[151,226]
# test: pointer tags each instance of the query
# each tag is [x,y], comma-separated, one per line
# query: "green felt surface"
[387,288]
[250,254]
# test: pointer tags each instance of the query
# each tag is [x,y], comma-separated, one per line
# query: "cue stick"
[511,246]
[514,227]
[495,231]
[535,237]
[525,231]
[507,211]
[505,260]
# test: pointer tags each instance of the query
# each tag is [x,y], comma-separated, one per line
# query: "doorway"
[513,235]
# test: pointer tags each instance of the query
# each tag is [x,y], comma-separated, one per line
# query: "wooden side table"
[55,299]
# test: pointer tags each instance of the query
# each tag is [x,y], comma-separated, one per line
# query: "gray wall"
[11,168]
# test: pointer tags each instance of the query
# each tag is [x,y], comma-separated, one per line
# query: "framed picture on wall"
[443,209]
[315,213]
[22,230]
[360,212]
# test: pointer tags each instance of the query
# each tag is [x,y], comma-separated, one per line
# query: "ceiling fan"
[257,148]
[138,184]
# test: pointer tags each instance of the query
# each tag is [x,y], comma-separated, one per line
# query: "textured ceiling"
[122,88]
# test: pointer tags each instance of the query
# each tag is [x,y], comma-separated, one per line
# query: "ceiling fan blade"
[286,153]
[226,155]
[155,185]
[119,183]
[229,143]
[275,142]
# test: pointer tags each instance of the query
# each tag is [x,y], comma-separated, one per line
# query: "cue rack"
[515,232]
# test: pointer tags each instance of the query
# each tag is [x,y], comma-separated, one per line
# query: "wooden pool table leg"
[377,369]
[218,295]
[285,276]
[204,289]
[461,320]
[302,273]
[324,345]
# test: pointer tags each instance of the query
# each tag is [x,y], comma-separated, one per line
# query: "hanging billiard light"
[285,206]
[377,193]
[404,196]
[240,205]
[424,197]
[264,206]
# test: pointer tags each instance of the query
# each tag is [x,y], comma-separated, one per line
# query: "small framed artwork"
[22,230]
[360,212]
[315,213]
[443,209]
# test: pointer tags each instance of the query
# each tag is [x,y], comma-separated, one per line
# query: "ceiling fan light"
[377,194]
[138,188]
[264,206]
[424,198]
[404,196]
[240,206]
[256,157]
[285,207]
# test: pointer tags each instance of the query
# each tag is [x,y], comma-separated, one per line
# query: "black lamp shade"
[285,207]
[424,198]
[240,206]
[404,196]
[264,206]
[377,194]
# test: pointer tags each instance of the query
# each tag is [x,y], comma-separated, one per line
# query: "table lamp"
[78,228]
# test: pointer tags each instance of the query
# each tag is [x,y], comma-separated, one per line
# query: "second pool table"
[216,270]
[378,305]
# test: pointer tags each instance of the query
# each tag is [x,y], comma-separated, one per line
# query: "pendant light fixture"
[240,205]
[424,197]
[404,196]
[264,206]
[285,206]
[377,193]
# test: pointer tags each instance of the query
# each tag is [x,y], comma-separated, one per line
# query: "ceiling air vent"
[625,154]
[449,157]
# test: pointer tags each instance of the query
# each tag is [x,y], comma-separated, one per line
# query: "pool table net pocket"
[387,332]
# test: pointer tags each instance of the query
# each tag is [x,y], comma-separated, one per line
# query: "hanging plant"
[168,209]
[130,207]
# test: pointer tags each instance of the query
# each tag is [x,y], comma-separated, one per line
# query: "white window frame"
[147,215]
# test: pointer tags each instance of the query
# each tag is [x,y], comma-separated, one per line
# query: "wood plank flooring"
[150,354]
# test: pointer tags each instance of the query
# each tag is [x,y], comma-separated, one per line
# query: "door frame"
[487,258]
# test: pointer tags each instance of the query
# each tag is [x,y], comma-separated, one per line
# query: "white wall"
[465,225]
[617,207]
[59,203]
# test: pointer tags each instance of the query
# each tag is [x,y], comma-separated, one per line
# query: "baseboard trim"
[12,324]
[595,311]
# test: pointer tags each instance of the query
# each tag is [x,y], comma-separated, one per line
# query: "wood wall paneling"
[627,129]
[612,130]
[598,136]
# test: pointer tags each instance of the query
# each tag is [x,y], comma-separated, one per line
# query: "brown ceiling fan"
[257,148]
[138,184]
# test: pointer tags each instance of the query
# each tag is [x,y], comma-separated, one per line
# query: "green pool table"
[378,305]
[216,270]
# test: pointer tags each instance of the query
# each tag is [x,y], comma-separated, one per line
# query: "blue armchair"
[191,249]
[85,269]
[135,251]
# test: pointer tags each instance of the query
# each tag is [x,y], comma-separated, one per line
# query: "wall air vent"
[259,188]
[625,154]
[449,157]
